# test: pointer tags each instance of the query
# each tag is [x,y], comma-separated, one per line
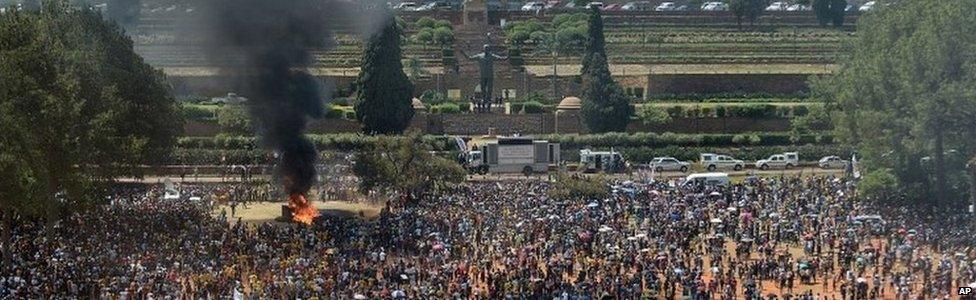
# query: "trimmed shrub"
[199,112]
[652,115]
[445,108]
[532,107]
[333,112]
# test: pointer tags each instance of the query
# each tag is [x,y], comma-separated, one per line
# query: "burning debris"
[302,211]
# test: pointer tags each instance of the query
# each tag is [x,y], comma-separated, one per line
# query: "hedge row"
[660,140]
[725,97]
[751,111]
[338,142]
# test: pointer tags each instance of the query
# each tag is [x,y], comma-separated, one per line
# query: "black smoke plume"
[273,39]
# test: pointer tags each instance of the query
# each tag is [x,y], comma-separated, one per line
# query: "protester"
[776,238]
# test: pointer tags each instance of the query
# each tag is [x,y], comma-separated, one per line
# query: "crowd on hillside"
[783,238]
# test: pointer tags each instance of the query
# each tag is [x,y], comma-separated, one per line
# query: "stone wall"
[727,83]
[324,126]
[481,124]
[569,122]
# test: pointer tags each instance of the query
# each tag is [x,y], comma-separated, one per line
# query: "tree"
[234,119]
[604,107]
[384,101]
[405,166]
[750,10]
[565,36]
[653,115]
[906,94]
[574,188]
[830,12]
[595,43]
[78,108]
[434,32]
[416,67]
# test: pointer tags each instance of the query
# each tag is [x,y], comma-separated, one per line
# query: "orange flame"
[302,211]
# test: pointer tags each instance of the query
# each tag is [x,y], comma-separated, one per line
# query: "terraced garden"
[639,41]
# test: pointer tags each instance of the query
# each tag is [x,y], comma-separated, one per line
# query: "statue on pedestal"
[486,62]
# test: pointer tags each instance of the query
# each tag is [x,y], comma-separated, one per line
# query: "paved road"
[491,177]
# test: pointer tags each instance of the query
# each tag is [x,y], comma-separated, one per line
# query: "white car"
[712,162]
[636,6]
[427,7]
[777,6]
[665,6]
[715,6]
[832,162]
[659,164]
[867,6]
[712,179]
[799,7]
[780,161]
[533,6]
[406,6]
[591,5]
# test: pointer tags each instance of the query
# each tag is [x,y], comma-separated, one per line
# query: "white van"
[713,161]
[786,160]
[720,179]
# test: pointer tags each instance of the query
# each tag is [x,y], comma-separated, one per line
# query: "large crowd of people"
[775,238]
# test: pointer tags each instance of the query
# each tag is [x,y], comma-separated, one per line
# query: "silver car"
[832,162]
[660,164]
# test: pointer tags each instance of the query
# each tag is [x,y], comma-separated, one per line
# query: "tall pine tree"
[595,43]
[604,108]
[383,104]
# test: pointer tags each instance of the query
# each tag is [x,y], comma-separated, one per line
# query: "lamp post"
[972,187]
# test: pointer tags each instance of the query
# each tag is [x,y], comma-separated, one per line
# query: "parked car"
[533,6]
[665,6]
[591,5]
[660,164]
[832,162]
[427,7]
[785,161]
[715,179]
[799,7]
[777,6]
[712,161]
[715,6]
[867,6]
[637,6]
[406,6]
[612,7]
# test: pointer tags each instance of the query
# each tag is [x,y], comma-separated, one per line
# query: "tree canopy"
[406,166]
[383,104]
[434,32]
[906,96]
[748,10]
[830,11]
[77,108]
[595,43]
